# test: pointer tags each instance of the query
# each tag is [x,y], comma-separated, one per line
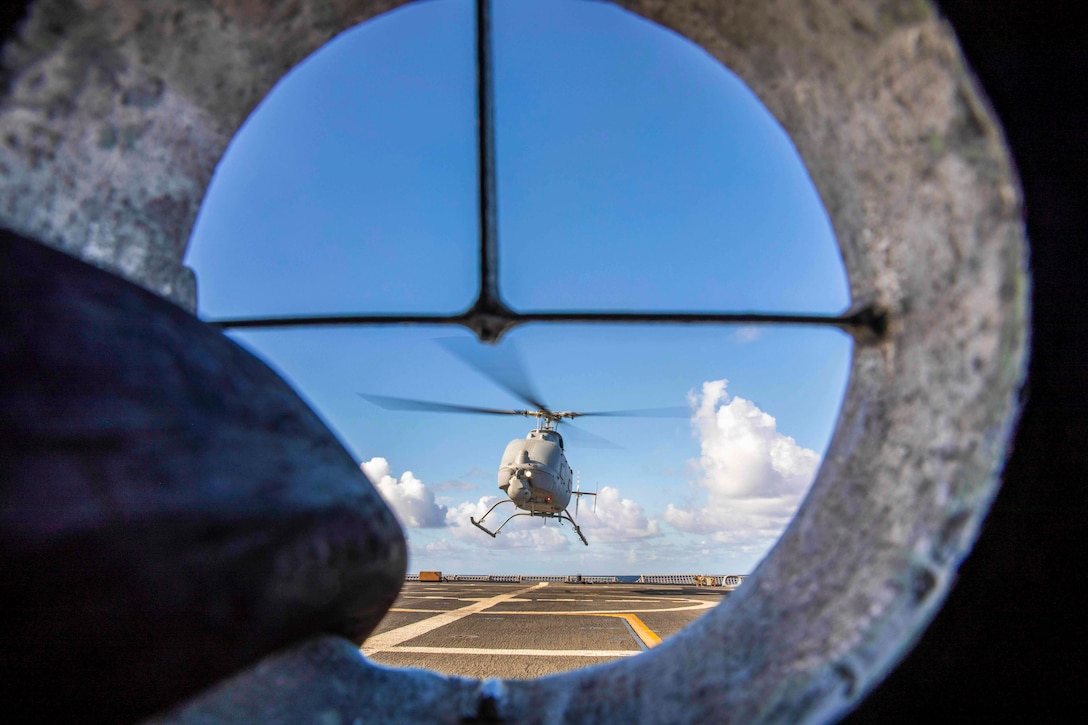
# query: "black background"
[1009,644]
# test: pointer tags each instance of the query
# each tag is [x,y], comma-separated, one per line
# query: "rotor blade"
[499,363]
[389,403]
[584,439]
[678,411]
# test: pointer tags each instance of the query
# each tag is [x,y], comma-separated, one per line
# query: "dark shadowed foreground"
[171,509]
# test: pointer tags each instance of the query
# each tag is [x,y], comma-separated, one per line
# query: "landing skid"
[561,516]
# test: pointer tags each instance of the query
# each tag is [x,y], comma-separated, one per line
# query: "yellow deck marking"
[391,641]
[647,635]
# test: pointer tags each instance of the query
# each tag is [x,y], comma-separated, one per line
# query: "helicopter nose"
[518,491]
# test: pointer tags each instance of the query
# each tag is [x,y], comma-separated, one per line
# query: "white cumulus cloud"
[753,476]
[523,532]
[410,499]
[615,518]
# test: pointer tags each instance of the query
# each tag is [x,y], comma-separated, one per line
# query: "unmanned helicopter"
[533,473]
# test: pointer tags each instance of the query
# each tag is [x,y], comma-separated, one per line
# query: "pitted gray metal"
[117,112]
[913,171]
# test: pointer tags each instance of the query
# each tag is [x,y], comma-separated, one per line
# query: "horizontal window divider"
[863,322]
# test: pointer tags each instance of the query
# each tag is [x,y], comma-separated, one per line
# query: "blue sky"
[634,172]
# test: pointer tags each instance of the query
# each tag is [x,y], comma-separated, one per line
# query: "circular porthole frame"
[920,189]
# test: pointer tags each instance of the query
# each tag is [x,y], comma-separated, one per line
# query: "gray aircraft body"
[533,474]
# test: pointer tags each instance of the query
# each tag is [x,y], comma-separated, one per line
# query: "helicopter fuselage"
[534,472]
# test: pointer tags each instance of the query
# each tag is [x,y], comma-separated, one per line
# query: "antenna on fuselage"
[578,495]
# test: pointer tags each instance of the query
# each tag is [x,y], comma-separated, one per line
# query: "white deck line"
[387,640]
[571,613]
[514,652]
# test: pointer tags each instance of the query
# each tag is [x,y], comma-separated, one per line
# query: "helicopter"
[533,473]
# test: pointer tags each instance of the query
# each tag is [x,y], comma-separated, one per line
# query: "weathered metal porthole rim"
[918,184]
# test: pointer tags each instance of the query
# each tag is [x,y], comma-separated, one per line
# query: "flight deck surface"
[525,630]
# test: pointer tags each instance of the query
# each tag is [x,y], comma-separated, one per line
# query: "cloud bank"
[617,521]
[410,499]
[615,518]
[521,533]
[753,477]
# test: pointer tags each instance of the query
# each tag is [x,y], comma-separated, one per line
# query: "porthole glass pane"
[636,172]
[351,187]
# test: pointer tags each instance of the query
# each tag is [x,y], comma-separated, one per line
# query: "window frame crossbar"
[489,317]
